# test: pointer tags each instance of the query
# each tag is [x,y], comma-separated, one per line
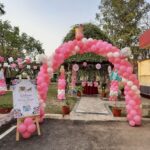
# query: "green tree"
[2,11]
[90,31]
[122,21]
[12,43]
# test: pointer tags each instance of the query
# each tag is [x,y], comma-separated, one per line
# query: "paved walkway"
[92,105]
[91,108]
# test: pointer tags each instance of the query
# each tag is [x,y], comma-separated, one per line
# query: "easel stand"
[20,120]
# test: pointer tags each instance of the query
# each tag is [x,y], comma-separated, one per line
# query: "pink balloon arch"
[99,47]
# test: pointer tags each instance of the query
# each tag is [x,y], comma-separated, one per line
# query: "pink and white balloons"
[114,55]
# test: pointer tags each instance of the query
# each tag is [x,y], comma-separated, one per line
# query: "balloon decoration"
[98,66]
[113,95]
[114,86]
[84,64]
[95,84]
[27,128]
[3,87]
[61,84]
[99,47]
[84,83]
[43,80]
[75,67]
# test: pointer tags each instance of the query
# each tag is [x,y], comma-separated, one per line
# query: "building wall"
[144,72]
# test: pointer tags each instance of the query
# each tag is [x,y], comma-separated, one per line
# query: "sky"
[49,20]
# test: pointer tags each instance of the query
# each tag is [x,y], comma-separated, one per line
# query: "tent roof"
[144,39]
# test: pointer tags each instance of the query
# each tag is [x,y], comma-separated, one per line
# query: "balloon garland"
[114,55]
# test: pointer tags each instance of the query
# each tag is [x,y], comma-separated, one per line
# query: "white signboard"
[25,99]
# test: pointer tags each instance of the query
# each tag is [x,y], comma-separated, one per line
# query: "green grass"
[55,106]
[6,100]
[52,104]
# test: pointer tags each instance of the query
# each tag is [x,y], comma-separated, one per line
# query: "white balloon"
[116,54]
[110,54]
[50,70]
[129,83]
[138,92]
[134,87]
[90,39]
[124,80]
[84,40]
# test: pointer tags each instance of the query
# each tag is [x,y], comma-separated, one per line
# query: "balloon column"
[61,84]
[114,85]
[113,54]
[3,87]
[113,95]
[43,81]
[27,128]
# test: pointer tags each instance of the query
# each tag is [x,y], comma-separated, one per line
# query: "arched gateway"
[113,54]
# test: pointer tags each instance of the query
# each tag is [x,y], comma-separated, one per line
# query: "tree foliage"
[2,11]
[122,20]
[12,43]
[90,31]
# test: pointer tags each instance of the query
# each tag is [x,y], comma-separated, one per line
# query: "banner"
[25,99]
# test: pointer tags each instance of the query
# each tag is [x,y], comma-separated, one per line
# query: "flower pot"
[79,93]
[103,94]
[116,112]
[65,110]
[5,110]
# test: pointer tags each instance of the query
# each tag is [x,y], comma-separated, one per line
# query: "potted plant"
[116,111]
[79,90]
[103,86]
[65,108]
[5,108]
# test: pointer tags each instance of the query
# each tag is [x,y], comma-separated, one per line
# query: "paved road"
[80,135]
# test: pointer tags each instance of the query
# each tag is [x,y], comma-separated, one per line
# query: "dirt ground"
[81,135]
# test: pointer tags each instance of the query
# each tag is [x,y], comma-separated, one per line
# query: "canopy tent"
[144,39]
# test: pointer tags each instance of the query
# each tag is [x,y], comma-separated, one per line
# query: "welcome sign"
[25,99]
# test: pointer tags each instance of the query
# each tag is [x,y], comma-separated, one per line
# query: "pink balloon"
[137,118]
[129,70]
[22,128]
[129,117]
[132,123]
[42,111]
[28,121]
[132,102]
[31,128]
[26,135]
[133,112]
